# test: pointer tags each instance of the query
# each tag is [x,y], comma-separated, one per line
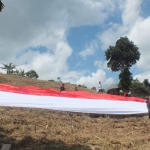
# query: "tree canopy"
[1,6]
[146,83]
[139,89]
[120,58]
[32,74]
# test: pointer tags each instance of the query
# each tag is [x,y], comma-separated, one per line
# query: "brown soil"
[39,129]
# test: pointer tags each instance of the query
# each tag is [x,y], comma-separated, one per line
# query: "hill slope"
[39,129]
[24,81]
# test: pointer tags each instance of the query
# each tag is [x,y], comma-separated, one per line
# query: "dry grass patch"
[40,129]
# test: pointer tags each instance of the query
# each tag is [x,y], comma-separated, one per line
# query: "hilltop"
[40,129]
[25,81]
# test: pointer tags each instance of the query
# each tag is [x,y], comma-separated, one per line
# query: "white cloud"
[31,24]
[109,36]
[141,77]
[28,23]
[130,17]
[135,27]
[100,64]
[89,50]
[94,78]
[47,65]
[35,23]
[140,35]
[131,12]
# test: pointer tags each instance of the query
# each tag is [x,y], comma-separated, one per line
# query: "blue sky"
[68,39]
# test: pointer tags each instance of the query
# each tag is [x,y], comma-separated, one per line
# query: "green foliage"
[146,83]
[16,72]
[121,57]
[1,6]
[32,74]
[9,68]
[139,89]
[125,79]
[19,72]
[22,73]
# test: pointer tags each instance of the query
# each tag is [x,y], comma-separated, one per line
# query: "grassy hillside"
[39,129]
[24,81]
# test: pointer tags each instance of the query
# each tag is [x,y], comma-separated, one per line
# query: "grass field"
[39,129]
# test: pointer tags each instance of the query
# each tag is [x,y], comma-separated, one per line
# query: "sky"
[68,38]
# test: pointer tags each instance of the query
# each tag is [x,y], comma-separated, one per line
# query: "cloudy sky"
[68,38]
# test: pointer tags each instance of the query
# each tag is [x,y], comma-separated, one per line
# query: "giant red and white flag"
[73,101]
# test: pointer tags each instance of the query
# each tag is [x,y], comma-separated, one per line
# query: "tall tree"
[9,68]
[125,79]
[1,6]
[120,58]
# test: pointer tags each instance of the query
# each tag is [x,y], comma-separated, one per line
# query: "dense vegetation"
[140,89]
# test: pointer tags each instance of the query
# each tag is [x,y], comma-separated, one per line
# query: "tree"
[139,89]
[125,79]
[9,68]
[146,83]
[59,79]
[120,58]
[1,6]
[32,74]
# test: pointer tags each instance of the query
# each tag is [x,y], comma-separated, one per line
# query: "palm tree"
[1,6]
[32,74]
[9,68]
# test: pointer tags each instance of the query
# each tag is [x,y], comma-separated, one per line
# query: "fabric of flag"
[73,101]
